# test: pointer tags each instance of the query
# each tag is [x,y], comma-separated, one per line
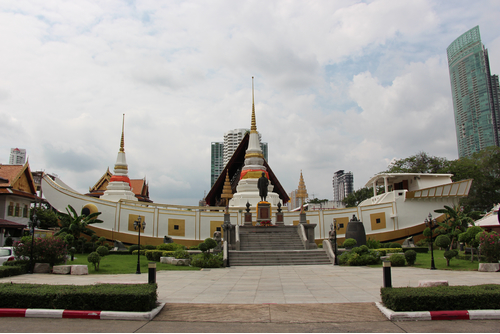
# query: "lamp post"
[333,239]
[34,223]
[138,225]
[429,222]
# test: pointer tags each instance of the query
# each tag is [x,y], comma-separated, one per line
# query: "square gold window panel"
[378,221]
[176,227]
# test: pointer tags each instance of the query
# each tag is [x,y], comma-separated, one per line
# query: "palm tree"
[456,221]
[75,224]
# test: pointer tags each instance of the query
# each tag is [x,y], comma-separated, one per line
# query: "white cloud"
[338,85]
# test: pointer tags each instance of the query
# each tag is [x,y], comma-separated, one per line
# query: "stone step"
[260,258]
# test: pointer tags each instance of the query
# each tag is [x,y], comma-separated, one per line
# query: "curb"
[73,314]
[439,315]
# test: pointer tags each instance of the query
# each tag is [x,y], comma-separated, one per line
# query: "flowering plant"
[489,246]
[51,250]
[265,223]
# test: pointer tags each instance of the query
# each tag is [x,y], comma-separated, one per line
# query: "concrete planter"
[489,267]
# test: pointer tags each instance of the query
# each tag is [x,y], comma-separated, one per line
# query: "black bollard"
[152,272]
[387,274]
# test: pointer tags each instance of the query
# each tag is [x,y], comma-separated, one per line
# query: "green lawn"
[123,264]
[424,261]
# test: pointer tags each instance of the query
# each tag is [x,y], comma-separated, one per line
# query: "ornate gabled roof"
[233,168]
[17,180]
[140,187]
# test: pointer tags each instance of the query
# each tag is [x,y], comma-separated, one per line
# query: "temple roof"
[234,167]
[17,180]
[140,187]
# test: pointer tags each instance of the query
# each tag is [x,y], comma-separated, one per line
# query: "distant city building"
[343,185]
[17,156]
[475,94]
[221,152]
[217,162]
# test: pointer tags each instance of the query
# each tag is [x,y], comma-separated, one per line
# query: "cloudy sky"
[339,84]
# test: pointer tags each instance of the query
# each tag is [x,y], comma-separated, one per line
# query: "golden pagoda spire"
[227,192]
[122,142]
[302,191]
[254,123]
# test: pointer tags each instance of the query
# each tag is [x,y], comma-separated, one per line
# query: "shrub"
[193,248]
[203,247]
[443,241]
[95,259]
[101,241]
[320,246]
[168,254]
[153,254]
[442,298]
[88,247]
[8,241]
[149,247]
[69,239]
[397,260]
[181,254]
[169,247]
[386,245]
[112,297]
[102,251]
[395,245]
[133,248]
[143,252]
[211,243]
[372,244]
[8,271]
[349,243]
[207,260]
[489,246]
[450,254]
[359,256]
[48,250]
[411,257]
[17,263]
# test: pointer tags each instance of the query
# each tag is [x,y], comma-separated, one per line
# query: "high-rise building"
[217,163]
[343,185]
[475,94]
[17,156]
[221,153]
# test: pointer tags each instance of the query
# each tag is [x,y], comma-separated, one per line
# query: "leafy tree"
[418,163]
[102,251]
[456,221]
[450,254]
[484,168]
[469,238]
[75,224]
[358,196]
[47,217]
[95,259]
[443,241]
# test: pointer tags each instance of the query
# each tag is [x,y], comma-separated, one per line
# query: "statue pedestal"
[263,212]
[279,219]
[248,219]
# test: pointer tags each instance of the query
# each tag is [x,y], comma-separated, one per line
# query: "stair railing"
[225,255]
[302,233]
[327,246]
[237,236]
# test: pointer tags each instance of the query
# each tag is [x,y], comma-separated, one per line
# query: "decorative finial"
[122,142]
[254,123]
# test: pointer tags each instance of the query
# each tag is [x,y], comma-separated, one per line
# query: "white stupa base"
[241,199]
[247,191]
[118,190]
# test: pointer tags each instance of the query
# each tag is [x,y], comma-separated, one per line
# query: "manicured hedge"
[6,271]
[417,249]
[442,298]
[99,297]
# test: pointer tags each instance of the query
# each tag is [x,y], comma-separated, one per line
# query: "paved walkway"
[319,298]
[272,284]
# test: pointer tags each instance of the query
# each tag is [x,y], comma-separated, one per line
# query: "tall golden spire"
[122,142]
[254,123]
[302,191]
[227,192]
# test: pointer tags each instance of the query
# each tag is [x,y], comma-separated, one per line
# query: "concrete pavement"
[318,298]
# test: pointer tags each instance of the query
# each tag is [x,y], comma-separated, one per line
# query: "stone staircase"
[274,246]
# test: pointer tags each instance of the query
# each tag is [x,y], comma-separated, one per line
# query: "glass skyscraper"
[475,94]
